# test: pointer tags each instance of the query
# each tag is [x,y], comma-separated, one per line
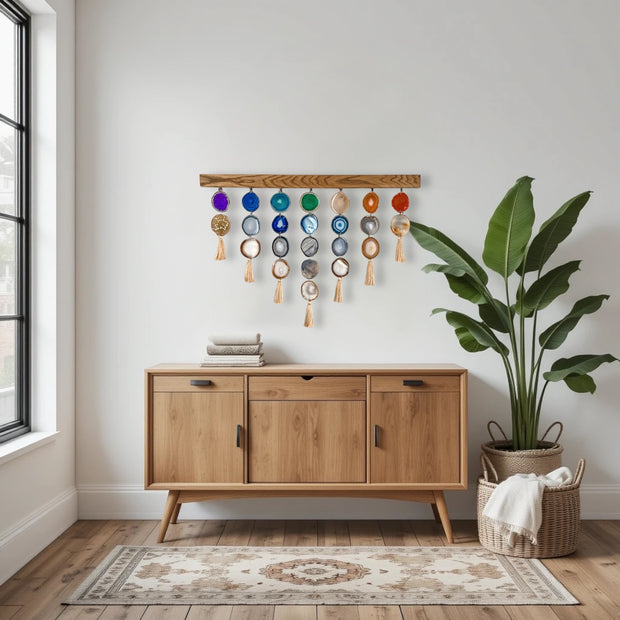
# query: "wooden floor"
[37,590]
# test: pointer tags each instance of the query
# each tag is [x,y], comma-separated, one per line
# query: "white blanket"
[222,338]
[515,506]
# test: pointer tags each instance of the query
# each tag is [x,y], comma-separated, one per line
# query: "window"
[14,213]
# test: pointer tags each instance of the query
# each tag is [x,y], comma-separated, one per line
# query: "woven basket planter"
[558,531]
[508,462]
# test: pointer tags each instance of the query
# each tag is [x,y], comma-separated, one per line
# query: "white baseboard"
[131,501]
[25,539]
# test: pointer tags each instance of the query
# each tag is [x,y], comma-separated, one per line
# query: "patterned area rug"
[318,576]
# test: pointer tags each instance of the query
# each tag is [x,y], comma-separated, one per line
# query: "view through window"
[14,183]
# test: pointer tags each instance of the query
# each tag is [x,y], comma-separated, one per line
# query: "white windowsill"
[24,444]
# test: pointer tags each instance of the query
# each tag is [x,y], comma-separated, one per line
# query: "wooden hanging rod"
[310,180]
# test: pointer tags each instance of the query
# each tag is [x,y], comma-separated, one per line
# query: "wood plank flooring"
[36,592]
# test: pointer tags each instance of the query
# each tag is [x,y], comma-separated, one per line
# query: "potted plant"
[510,322]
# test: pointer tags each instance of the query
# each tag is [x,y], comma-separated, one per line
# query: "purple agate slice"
[220,201]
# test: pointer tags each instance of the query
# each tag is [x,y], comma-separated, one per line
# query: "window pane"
[7,169]
[8,411]
[7,267]
[7,66]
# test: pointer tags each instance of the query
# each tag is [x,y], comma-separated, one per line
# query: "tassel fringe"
[309,320]
[221,251]
[338,295]
[370,274]
[278,298]
[249,273]
[400,254]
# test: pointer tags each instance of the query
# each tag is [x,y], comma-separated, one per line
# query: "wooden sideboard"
[389,431]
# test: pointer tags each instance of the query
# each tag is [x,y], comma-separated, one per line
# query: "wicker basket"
[508,462]
[558,531]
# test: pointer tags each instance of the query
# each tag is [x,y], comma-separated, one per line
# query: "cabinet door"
[307,441]
[194,437]
[415,437]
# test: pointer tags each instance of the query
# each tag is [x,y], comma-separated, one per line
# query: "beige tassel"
[249,273]
[400,254]
[370,274]
[309,320]
[338,295]
[221,252]
[278,297]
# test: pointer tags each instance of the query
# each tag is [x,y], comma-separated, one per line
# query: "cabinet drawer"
[307,388]
[183,383]
[411,383]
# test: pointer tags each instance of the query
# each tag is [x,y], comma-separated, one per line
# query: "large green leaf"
[581,383]
[467,288]
[467,341]
[496,316]
[553,232]
[556,334]
[453,271]
[547,288]
[478,331]
[510,229]
[568,369]
[444,248]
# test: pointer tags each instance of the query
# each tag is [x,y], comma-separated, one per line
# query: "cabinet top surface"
[293,369]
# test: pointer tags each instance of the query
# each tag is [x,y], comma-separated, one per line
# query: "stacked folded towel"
[234,349]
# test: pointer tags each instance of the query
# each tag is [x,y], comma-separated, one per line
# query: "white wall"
[470,95]
[37,471]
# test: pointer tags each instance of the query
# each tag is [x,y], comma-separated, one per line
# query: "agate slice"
[250,202]
[250,225]
[309,246]
[309,201]
[340,246]
[279,224]
[370,248]
[340,267]
[400,225]
[339,203]
[400,202]
[250,248]
[220,224]
[309,223]
[280,269]
[280,246]
[280,201]
[309,290]
[370,202]
[340,224]
[369,225]
[220,201]
[309,269]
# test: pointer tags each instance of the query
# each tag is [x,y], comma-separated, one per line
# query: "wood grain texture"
[193,437]
[314,181]
[174,383]
[430,383]
[418,437]
[310,388]
[307,441]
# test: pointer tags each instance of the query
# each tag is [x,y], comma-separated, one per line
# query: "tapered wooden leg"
[171,503]
[435,513]
[442,509]
[175,513]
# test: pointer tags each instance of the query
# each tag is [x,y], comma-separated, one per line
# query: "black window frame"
[21,124]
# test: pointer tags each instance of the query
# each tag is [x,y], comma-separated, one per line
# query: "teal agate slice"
[280,202]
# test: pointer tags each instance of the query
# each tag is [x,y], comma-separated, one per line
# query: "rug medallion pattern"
[319,576]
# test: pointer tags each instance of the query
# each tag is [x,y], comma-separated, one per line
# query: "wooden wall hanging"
[308,202]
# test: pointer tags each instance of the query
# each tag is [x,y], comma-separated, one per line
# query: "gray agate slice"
[250,225]
[340,246]
[309,246]
[309,268]
[369,225]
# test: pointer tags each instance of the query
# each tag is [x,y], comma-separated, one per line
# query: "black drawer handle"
[376,435]
[200,382]
[238,435]
[413,382]
[307,377]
